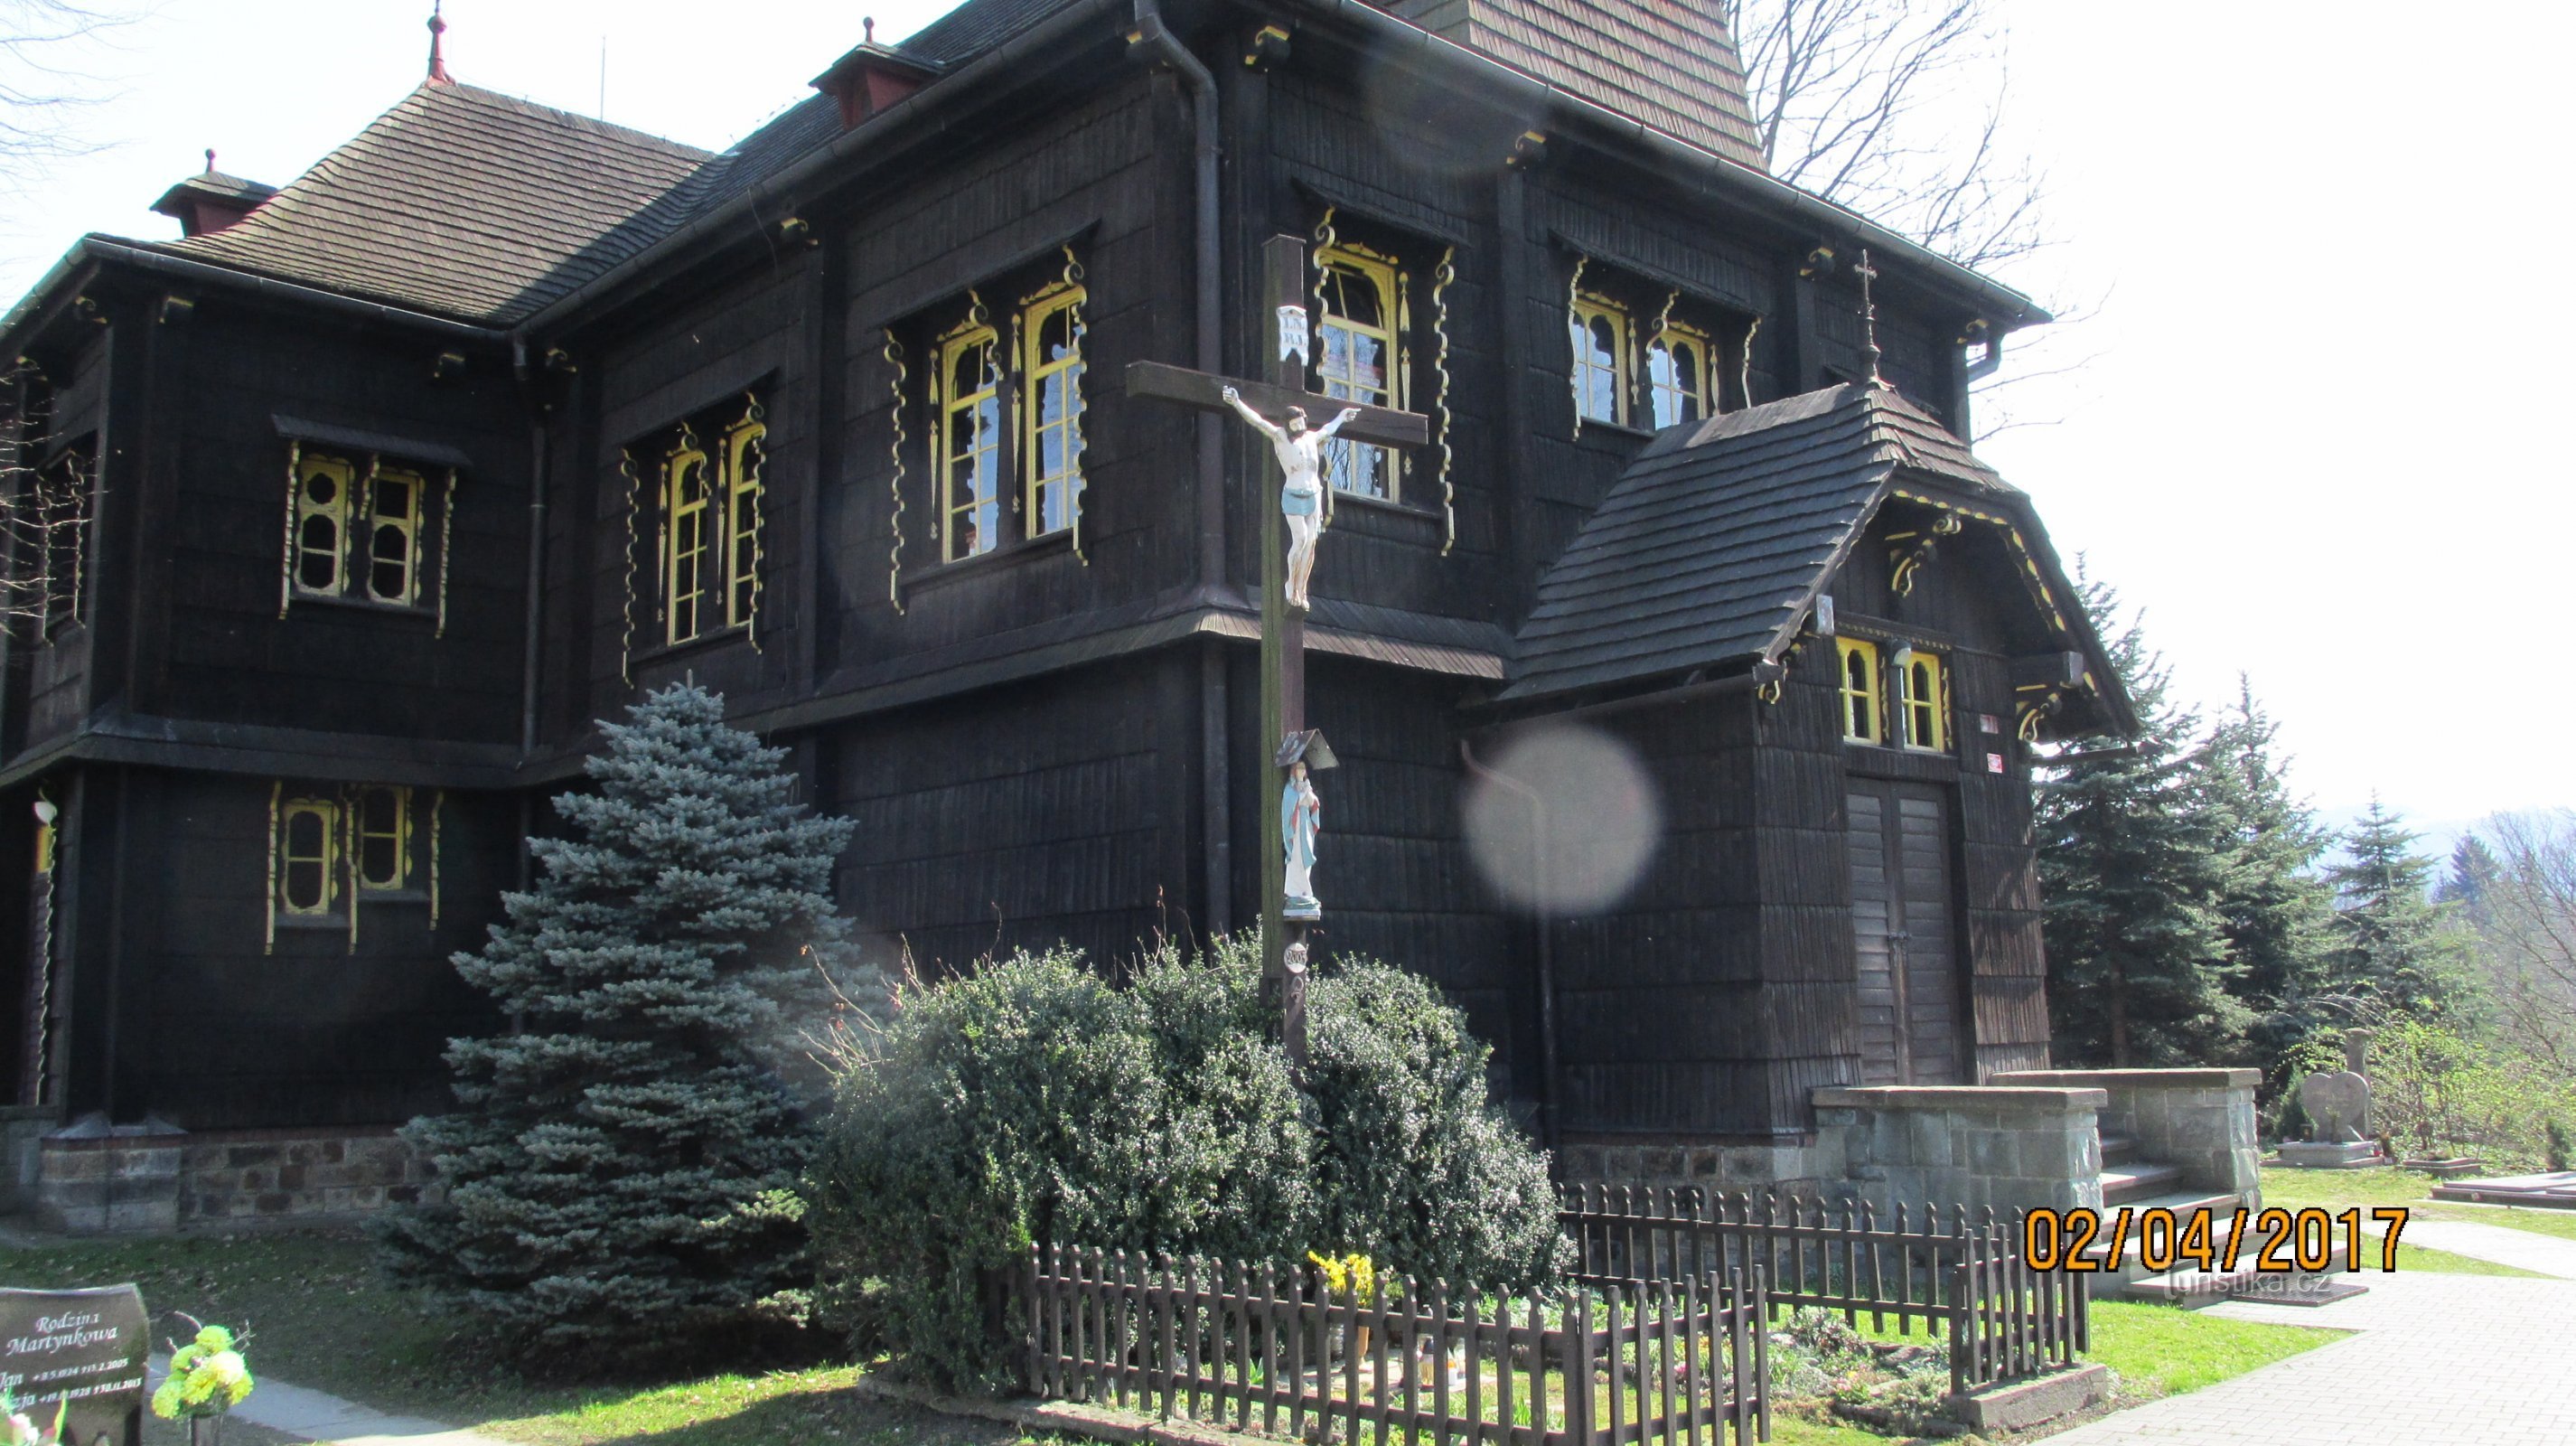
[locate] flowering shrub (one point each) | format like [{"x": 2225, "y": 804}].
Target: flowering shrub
[
  {"x": 207, "y": 1378},
  {"x": 1034, "y": 1101}
]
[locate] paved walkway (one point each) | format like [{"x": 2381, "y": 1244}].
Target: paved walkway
[
  {"x": 2438, "y": 1358},
  {"x": 2524, "y": 1249},
  {"x": 319, "y": 1417}
]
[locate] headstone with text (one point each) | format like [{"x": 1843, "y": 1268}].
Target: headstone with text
[{"x": 86, "y": 1348}]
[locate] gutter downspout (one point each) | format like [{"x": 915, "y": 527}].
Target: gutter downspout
[
  {"x": 536, "y": 557},
  {"x": 1156, "y": 40},
  {"x": 1540, "y": 848}
]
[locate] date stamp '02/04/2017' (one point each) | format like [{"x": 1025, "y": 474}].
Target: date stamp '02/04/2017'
[{"x": 2287, "y": 1242}]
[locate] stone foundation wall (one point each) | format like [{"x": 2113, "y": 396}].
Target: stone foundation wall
[
  {"x": 22, "y": 1129},
  {"x": 1791, "y": 1165},
  {"x": 268, "y": 1174},
  {"x": 2011, "y": 1149},
  {"x": 91, "y": 1178},
  {"x": 2199, "y": 1119}
]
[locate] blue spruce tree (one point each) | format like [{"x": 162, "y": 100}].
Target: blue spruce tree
[
  {"x": 619, "y": 1165},
  {"x": 2133, "y": 855}
]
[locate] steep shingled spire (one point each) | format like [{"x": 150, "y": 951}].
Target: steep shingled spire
[{"x": 438, "y": 45}]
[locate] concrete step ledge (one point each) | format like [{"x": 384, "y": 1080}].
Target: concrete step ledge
[
  {"x": 2134, "y": 1182},
  {"x": 1094, "y": 1422},
  {"x": 2019, "y": 1404}
]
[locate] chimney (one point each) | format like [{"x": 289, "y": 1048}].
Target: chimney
[
  {"x": 210, "y": 201},
  {"x": 872, "y": 77}
]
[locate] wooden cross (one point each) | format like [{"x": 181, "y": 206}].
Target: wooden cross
[{"x": 1283, "y": 629}]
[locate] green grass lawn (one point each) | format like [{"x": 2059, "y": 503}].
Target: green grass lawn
[
  {"x": 318, "y": 1316},
  {"x": 2163, "y": 1351},
  {"x": 2343, "y": 1189}
]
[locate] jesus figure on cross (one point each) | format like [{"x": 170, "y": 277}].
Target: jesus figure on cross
[{"x": 1301, "y": 494}]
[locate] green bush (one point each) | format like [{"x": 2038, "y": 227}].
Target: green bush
[{"x": 1032, "y": 1101}]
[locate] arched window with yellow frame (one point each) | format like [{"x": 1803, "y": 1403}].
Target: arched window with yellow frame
[
  {"x": 1598, "y": 328},
  {"x": 323, "y": 483},
  {"x": 381, "y": 837},
  {"x": 393, "y": 535},
  {"x": 686, "y": 560},
  {"x": 1923, "y": 702},
  {"x": 746, "y": 445},
  {"x": 1679, "y": 378},
  {"x": 308, "y": 857},
  {"x": 1051, "y": 408},
  {"x": 1359, "y": 357},
  {"x": 1860, "y": 690},
  {"x": 969, "y": 384}
]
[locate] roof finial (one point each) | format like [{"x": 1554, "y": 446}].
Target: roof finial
[
  {"x": 210, "y": 160},
  {"x": 1868, "y": 317},
  {"x": 437, "y": 46}
]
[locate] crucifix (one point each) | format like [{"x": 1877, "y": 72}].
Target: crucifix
[{"x": 1291, "y": 753}]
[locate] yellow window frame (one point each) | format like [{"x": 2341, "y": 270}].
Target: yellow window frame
[
  {"x": 362, "y": 831},
  {"x": 686, "y": 492},
  {"x": 326, "y": 813},
  {"x": 966, "y": 441},
  {"x": 742, "y": 489},
  {"x": 405, "y": 523},
  {"x": 1592, "y": 377},
  {"x": 1923, "y": 691},
  {"x": 1042, "y": 372},
  {"x": 1667, "y": 397},
  {"x": 1858, "y": 659},
  {"x": 342, "y": 473},
  {"x": 1337, "y": 267}
]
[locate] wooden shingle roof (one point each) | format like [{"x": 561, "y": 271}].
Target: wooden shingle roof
[
  {"x": 1711, "y": 547},
  {"x": 463, "y": 203},
  {"x": 1667, "y": 63}
]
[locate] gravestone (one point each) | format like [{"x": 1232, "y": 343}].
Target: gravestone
[
  {"x": 2337, "y": 1105},
  {"x": 85, "y": 1347}
]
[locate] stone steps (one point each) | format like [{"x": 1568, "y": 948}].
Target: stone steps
[
  {"x": 2128, "y": 1184},
  {"x": 2183, "y": 1204}
]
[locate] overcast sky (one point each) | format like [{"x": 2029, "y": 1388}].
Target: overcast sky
[{"x": 2315, "y": 439}]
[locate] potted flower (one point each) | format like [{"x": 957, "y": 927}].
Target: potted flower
[
  {"x": 1347, "y": 1278},
  {"x": 208, "y": 1377}
]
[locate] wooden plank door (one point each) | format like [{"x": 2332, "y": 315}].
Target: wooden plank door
[{"x": 1907, "y": 1011}]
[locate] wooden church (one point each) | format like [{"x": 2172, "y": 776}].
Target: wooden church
[{"x": 339, "y": 518}]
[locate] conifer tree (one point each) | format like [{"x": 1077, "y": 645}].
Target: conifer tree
[
  {"x": 2472, "y": 874},
  {"x": 618, "y": 1167},
  {"x": 2132, "y": 856},
  {"x": 2392, "y": 944},
  {"x": 2275, "y": 910}
]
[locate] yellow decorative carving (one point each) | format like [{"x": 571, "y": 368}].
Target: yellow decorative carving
[
  {"x": 268, "y": 937},
  {"x": 286, "y": 553},
  {"x": 894, "y": 553},
  {"x": 446, "y": 530},
  {"x": 626, "y": 619},
  {"x": 1442, "y": 276},
  {"x": 437, "y": 805}
]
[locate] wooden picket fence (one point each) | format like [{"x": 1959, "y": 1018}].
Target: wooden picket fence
[
  {"x": 2003, "y": 1320},
  {"x": 1255, "y": 1348}
]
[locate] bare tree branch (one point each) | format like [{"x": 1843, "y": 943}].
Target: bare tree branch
[
  {"x": 48, "y": 51},
  {"x": 46, "y": 489}
]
